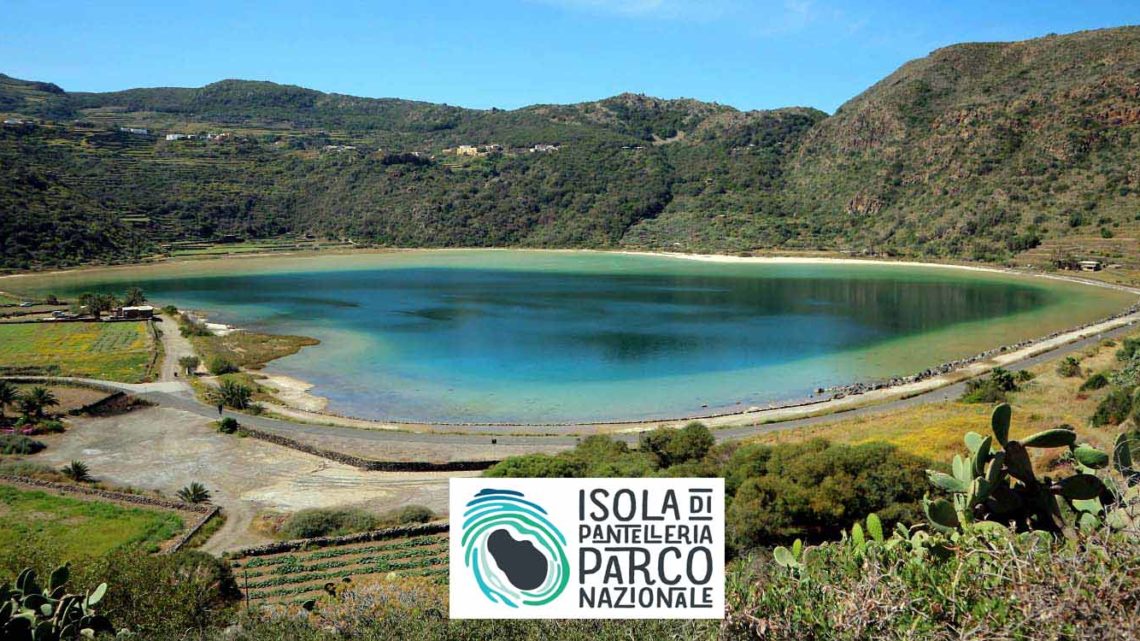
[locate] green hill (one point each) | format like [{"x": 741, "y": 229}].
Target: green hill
[{"x": 978, "y": 151}]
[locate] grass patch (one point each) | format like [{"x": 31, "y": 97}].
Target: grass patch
[
  {"x": 935, "y": 430},
  {"x": 249, "y": 349},
  {"x": 80, "y": 527},
  {"x": 206, "y": 532},
  {"x": 109, "y": 351}
]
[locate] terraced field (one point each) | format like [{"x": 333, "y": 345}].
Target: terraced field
[{"x": 298, "y": 576}]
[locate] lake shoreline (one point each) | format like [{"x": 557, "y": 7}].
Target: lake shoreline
[{"x": 296, "y": 401}]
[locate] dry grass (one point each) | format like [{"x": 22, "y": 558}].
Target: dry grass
[{"x": 935, "y": 430}]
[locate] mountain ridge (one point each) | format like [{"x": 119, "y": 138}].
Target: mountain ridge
[{"x": 980, "y": 151}]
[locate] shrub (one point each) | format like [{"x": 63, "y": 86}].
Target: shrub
[
  {"x": 77, "y": 471},
  {"x": 219, "y": 365},
  {"x": 1113, "y": 409},
  {"x": 228, "y": 425},
  {"x": 410, "y": 514},
  {"x": 816, "y": 488},
  {"x": 1020, "y": 587},
  {"x": 1128, "y": 349},
  {"x": 1094, "y": 382},
  {"x": 313, "y": 522},
  {"x": 1069, "y": 367},
  {"x": 672, "y": 447},
  {"x": 992, "y": 389},
  {"x": 49, "y": 427},
  {"x": 19, "y": 444}
]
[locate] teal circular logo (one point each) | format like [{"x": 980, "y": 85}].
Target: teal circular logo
[{"x": 517, "y": 556}]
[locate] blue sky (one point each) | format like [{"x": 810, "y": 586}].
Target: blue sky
[{"x": 751, "y": 54}]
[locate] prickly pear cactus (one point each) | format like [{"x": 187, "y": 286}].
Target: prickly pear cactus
[
  {"x": 995, "y": 486},
  {"x": 29, "y": 612}
]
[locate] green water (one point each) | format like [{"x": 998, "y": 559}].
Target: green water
[{"x": 518, "y": 336}]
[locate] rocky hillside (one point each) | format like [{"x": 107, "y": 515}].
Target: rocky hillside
[{"x": 978, "y": 151}]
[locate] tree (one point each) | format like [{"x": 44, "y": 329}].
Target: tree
[
  {"x": 134, "y": 296},
  {"x": 218, "y": 365},
  {"x": 8, "y": 396},
  {"x": 96, "y": 304},
  {"x": 189, "y": 364},
  {"x": 34, "y": 401},
  {"x": 77, "y": 471},
  {"x": 194, "y": 493}
]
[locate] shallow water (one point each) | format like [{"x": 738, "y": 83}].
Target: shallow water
[{"x": 516, "y": 336}]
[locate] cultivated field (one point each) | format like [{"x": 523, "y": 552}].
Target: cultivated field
[
  {"x": 298, "y": 576},
  {"x": 111, "y": 351},
  {"x": 78, "y": 527}
]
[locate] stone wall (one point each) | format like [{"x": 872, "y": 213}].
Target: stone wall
[{"x": 367, "y": 464}]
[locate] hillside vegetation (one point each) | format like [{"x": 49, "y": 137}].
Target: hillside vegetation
[{"x": 978, "y": 151}]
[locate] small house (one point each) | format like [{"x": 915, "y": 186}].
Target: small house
[
  {"x": 1090, "y": 265},
  {"x": 139, "y": 312}
]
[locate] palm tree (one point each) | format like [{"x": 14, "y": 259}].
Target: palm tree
[
  {"x": 233, "y": 395},
  {"x": 34, "y": 401},
  {"x": 77, "y": 471},
  {"x": 194, "y": 493},
  {"x": 8, "y": 396}
]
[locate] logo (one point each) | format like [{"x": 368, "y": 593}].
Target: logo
[
  {"x": 595, "y": 548},
  {"x": 517, "y": 556}
]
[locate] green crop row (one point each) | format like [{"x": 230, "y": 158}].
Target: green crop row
[
  {"x": 440, "y": 574},
  {"x": 333, "y": 552},
  {"x": 324, "y": 576},
  {"x": 395, "y": 555}
]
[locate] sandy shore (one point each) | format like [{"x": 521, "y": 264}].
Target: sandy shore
[{"x": 294, "y": 393}]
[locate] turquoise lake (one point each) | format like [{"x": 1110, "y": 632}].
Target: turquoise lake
[{"x": 537, "y": 337}]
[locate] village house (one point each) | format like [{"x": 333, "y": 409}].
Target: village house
[
  {"x": 1090, "y": 265},
  {"x": 135, "y": 130},
  {"x": 138, "y": 312},
  {"x": 543, "y": 148},
  {"x": 466, "y": 150}
]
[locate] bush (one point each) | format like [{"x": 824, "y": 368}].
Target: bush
[
  {"x": 19, "y": 444},
  {"x": 77, "y": 471},
  {"x": 814, "y": 489},
  {"x": 185, "y": 595},
  {"x": 1094, "y": 382},
  {"x": 313, "y": 522},
  {"x": 219, "y": 365},
  {"x": 228, "y": 425},
  {"x": 1069, "y": 367},
  {"x": 1128, "y": 349},
  {"x": 51, "y": 426},
  {"x": 672, "y": 447},
  {"x": 410, "y": 514},
  {"x": 594, "y": 456},
  {"x": 990, "y": 390},
  {"x": 1113, "y": 409},
  {"x": 1018, "y": 588}
]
